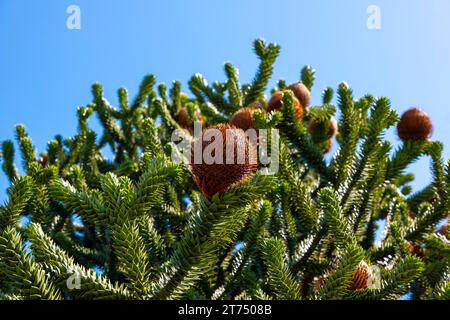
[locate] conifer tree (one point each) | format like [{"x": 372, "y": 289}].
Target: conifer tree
[{"x": 141, "y": 225}]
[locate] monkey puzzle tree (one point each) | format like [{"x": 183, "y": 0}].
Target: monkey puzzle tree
[{"x": 143, "y": 226}]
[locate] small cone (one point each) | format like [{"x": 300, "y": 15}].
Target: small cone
[
  {"x": 318, "y": 282},
  {"x": 238, "y": 161},
  {"x": 322, "y": 131},
  {"x": 414, "y": 249},
  {"x": 414, "y": 124},
  {"x": 184, "y": 121},
  {"x": 443, "y": 230},
  {"x": 333, "y": 127},
  {"x": 43, "y": 160},
  {"x": 275, "y": 104},
  {"x": 362, "y": 277},
  {"x": 409, "y": 246},
  {"x": 301, "y": 92},
  {"x": 243, "y": 118},
  {"x": 183, "y": 118}
]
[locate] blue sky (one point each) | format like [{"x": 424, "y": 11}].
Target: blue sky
[{"x": 46, "y": 70}]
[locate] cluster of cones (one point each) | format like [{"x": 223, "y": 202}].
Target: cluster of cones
[
  {"x": 321, "y": 133},
  {"x": 363, "y": 276},
  {"x": 214, "y": 178}
]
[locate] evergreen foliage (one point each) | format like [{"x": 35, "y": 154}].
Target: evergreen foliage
[{"x": 136, "y": 227}]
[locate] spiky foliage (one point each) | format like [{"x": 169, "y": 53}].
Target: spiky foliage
[{"x": 135, "y": 226}]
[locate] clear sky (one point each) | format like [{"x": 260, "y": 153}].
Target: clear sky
[{"x": 46, "y": 70}]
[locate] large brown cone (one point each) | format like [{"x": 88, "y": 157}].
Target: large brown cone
[
  {"x": 301, "y": 92},
  {"x": 243, "y": 118},
  {"x": 362, "y": 276},
  {"x": 414, "y": 124},
  {"x": 275, "y": 104},
  {"x": 217, "y": 177}
]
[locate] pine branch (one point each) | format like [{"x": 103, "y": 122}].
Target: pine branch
[
  {"x": 405, "y": 155},
  {"x": 64, "y": 269},
  {"x": 18, "y": 196},
  {"x": 336, "y": 286},
  {"x": 26, "y": 147},
  {"x": 214, "y": 228},
  {"x": 21, "y": 270},
  {"x": 307, "y": 76},
  {"x": 243, "y": 259},
  {"x": 298, "y": 137},
  {"x": 106, "y": 115},
  {"x": 8, "y": 160},
  {"x": 349, "y": 129},
  {"x": 144, "y": 90},
  {"x": 280, "y": 279},
  {"x": 132, "y": 258},
  {"x": 234, "y": 92},
  {"x": 199, "y": 87},
  {"x": 337, "y": 225},
  {"x": 327, "y": 95},
  {"x": 212, "y": 114},
  {"x": 89, "y": 206},
  {"x": 267, "y": 54}
]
